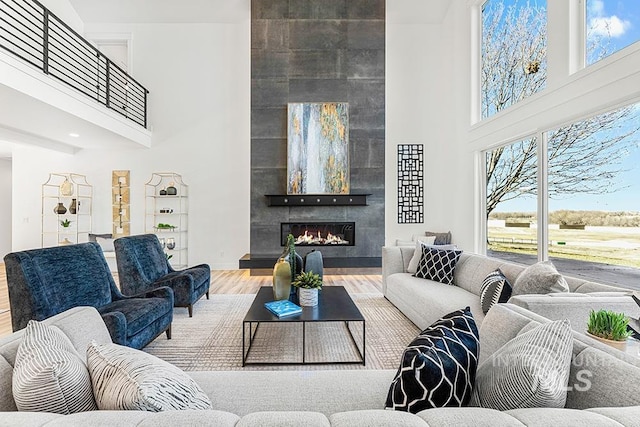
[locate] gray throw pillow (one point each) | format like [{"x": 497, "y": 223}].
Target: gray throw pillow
[
  {"x": 417, "y": 253},
  {"x": 530, "y": 371},
  {"x": 49, "y": 374},
  {"x": 539, "y": 278},
  {"x": 441, "y": 238}
]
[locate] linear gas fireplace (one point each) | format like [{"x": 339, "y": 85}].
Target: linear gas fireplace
[{"x": 319, "y": 233}]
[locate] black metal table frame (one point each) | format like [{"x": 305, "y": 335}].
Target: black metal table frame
[
  {"x": 252, "y": 334},
  {"x": 334, "y": 305}
]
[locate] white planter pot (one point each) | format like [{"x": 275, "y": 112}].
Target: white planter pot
[{"x": 308, "y": 297}]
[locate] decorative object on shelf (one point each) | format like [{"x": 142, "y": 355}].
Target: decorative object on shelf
[
  {"x": 67, "y": 193},
  {"x": 66, "y": 241},
  {"x": 163, "y": 243},
  {"x": 281, "y": 280},
  {"x": 410, "y": 184},
  {"x": 171, "y": 243},
  {"x": 60, "y": 209},
  {"x": 308, "y": 284},
  {"x": 66, "y": 223},
  {"x": 609, "y": 327},
  {"x": 163, "y": 226},
  {"x": 167, "y": 213},
  {"x": 120, "y": 204},
  {"x": 66, "y": 188},
  {"x": 318, "y": 131}
]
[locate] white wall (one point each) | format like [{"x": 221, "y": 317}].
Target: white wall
[
  {"x": 5, "y": 210},
  {"x": 415, "y": 89},
  {"x": 63, "y": 10},
  {"x": 199, "y": 81}
]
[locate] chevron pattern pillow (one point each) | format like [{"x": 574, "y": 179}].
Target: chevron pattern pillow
[
  {"x": 438, "y": 368},
  {"x": 124, "y": 378},
  {"x": 49, "y": 375},
  {"x": 437, "y": 264},
  {"x": 533, "y": 367},
  {"x": 495, "y": 289}
]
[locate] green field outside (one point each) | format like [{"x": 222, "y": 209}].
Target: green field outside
[{"x": 609, "y": 245}]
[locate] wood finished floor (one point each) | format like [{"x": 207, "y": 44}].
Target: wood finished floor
[{"x": 236, "y": 282}]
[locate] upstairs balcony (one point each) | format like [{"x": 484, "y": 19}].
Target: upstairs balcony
[{"x": 46, "y": 67}]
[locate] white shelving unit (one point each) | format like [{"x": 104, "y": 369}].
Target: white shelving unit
[
  {"x": 62, "y": 189},
  {"x": 167, "y": 214}
]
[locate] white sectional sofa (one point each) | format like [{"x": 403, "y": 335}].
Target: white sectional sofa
[
  {"x": 425, "y": 301},
  {"x": 348, "y": 398}
]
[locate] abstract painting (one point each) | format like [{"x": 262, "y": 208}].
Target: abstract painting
[
  {"x": 410, "y": 184},
  {"x": 318, "y": 148}
]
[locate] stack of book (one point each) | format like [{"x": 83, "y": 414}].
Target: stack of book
[{"x": 283, "y": 308}]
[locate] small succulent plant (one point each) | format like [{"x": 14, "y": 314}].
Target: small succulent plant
[
  {"x": 65, "y": 223},
  {"x": 307, "y": 280}
]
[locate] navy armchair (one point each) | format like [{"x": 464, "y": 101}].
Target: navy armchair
[
  {"x": 48, "y": 281},
  {"x": 143, "y": 265}
]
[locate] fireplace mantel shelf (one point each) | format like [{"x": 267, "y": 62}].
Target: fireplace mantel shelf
[{"x": 317, "y": 199}]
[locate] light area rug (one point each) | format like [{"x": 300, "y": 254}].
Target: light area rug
[{"x": 212, "y": 338}]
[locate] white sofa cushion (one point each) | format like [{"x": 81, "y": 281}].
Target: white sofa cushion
[
  {"x": 125, "y": 378},
  {"x": 533, "y": 366},
  {"x": 49, "y": 374}
]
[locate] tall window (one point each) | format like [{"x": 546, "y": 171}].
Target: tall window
[
  {"x": 511, "y": 201},
  {"x": 610, "y": 26},
  {"x": 514, "y": 46},
  {"x": 594, "y": 191}
]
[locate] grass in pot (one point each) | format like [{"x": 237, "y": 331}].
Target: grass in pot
[{"x": 609, "y": 327}]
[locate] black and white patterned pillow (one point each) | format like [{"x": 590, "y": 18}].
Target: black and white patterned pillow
[
  {"x": 534, "y": 368},
  {"x": 495, "y": 289},
  {"x": 437, "y": 264},
  {"x": 438, "y": 368},
  {"x": 124, "y": 378},
  {"x": 49, "y": 374}
]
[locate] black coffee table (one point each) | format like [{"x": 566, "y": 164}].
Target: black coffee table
[{"x": 334, "y": 305}]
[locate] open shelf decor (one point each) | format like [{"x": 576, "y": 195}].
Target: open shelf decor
[
  {"x": 66, "y": 209},
  {"x": 166, "y": 214}
]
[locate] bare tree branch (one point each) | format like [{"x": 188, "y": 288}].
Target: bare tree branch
[{"x": 584, "y": 157}]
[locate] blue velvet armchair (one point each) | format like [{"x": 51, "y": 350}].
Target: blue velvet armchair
[
  {"x": 48, "y": 281},
  {"x": 142, "y": 265}
]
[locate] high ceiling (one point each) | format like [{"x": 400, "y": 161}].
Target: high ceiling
[{"x": 202, "y": 11}]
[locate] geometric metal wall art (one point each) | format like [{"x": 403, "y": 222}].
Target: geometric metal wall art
[{"x": 410, "y": 184}]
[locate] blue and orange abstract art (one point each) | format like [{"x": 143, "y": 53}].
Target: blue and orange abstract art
[{"x": 318, "y": 148}]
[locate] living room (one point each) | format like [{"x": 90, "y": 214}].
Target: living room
[{"x": 217, "y": 118}]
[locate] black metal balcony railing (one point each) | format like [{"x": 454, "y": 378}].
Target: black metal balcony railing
[{"x": 30, "y": 31}]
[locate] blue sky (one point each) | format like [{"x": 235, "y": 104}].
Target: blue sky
[{"x": 619, "y": 19}]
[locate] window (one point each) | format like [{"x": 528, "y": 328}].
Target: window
[
  {"x": 513, "y": 52},
  {"x": 610, "y": 26},
  {"x": 594, "y": 191},
  {"x": 511, "y": 201}
]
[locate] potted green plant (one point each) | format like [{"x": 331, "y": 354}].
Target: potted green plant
[
  {"x": 609, "y": 327},
  {"x": 308, "y": 284},
  {"x": 65, "y": 223}
]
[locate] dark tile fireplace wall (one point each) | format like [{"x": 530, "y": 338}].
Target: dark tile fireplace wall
[{"x": 317, "y": 51}]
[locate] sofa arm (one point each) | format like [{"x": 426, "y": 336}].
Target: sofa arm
[
  {"x": 576, "y": 307},
  {"x": 392, "y": 262},
  {"x": 116, "y": 323},
  {"x": 163, "y": 292}
]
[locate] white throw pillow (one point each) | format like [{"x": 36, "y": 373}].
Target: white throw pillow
[
  {"x": 128, "y": 379},
  {"x": 529, "y": 371},
  {"x": 49, "y": 375},
  {"x": 105, "y": 244},
  {"x": 417, "y": 253}
]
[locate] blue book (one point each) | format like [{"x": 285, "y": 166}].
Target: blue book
[{"x": 283, "y": 308}]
